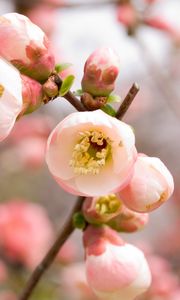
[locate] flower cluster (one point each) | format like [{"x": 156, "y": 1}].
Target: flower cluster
[
  {"x": 90, "y": 154},
  {"x": 93, "y": 154}
]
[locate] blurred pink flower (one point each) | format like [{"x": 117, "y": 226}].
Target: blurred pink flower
[
  {"x": 151, "y": 185},
  {"x": 100, "y": 72},
  {"x": 67, "y": 253},
  {"x": 91, "y": 153},
  {"x": 10, "y": 97},
  {"x": 115, "y": 270},
  {"x": 74, "y": 282},
  {"x": 127, "y": 15},
  {"x": 7, "y": 295},
  {"x": 25, "y": 232},
  {"x": 28, "y": 141},
  {"x": 26, "y": 46}
]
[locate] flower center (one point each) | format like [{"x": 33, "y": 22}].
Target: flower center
[
  {"x": 108, "y": 204},
  {"x": 90, "y": 152},
  {"x": 1, "y": 90}
]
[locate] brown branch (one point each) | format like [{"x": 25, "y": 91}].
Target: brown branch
[
  {"x": 70, "y": 97},
  {"x": 22, "y": 5},
  {"x": 127, "y": 101},
  {"x": 66, "y": 231}
]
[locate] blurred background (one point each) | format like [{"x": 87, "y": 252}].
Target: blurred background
[{"x": 146, "y": 35}]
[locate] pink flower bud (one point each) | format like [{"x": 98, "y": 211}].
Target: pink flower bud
[
  {"x": 25, "y": 45},
  {"x": 115, "y": 270},
  {"x": 91, "y": 153},
  {"x": 31, "y": 93},
  {"x": 100, "y": 210},
  {"x": 128, "y": 220},
  {"x": 151, "y": 185},
  {"x": 100, "y": 72},
  {"x": 10, "y": 97}
]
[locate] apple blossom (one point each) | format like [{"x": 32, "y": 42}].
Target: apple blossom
[
  {"x": 20, "y": 241},
  {"x": 100, "y": 72},
  {"x": 91, "y": 153},
  {"x": 101, "y": 209},
  {"x": 151, "y": 185},
  {"x": 115, "y": 270},
  {"x": 11, "y": 102},
  {"x": 128, "y": 220},
  {"x": 26, "y": 46}
]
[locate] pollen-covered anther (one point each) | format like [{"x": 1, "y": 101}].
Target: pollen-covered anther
[
  {"x": 1, "y": 90},
  {"x": 108, "y": 204},
  {"x": 90, "y": 152}
]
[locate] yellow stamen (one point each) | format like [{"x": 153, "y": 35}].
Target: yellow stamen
[
  {"x": 1, "y": 90},
  {"x": 90, "y": 153},
  {"x": 108, "y": 204}
]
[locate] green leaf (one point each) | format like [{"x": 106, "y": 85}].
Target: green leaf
[
  {"x": 78, "y": 92},
  {"x": 108, "y": 109},
  {"x": 79, "y": 221},
  {"x": 66, "y": 85},
  {"x": 114, "y": 98},
  {"x": 61, "y": 67}
]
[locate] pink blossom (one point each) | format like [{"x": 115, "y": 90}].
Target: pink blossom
[
  {"x": 10, "y": 97},
  {"x": 91, "y": 153},
  {"x": 74, "y": 282},
  {"x": 100, "y": 72},
  {"x": 25, "y": 232},
  {"x": 151, "y": 185},
  {"x": 115, "y": 270},
  {"x": 25, "y": 46},
  {"x": 128, "y": 220}
]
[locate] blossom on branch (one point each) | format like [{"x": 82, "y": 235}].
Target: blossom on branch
[
  {"x": 100, "y": 72},
  {"x": 91, "y": 153}
]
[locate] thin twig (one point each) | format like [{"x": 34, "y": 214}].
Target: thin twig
[
  {"x": 68, "y": 228},
  {"x": 127, "y": 101},
  {"x": 70, "y": 97}
]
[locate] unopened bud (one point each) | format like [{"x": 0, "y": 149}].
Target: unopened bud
[
  {"x": 100, "y": 72},
  {"x": 99, "y": 210}
]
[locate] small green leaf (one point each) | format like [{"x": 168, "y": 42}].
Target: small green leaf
[
  {"x": 61, "y": 67},
  {"x": 108, "y": 109},
  {"x": 66, "y": 85},
  {"x": 78, "y": 93},
  {"x": 79, "y": 221},
  {"x": 114, "y": 98}
]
